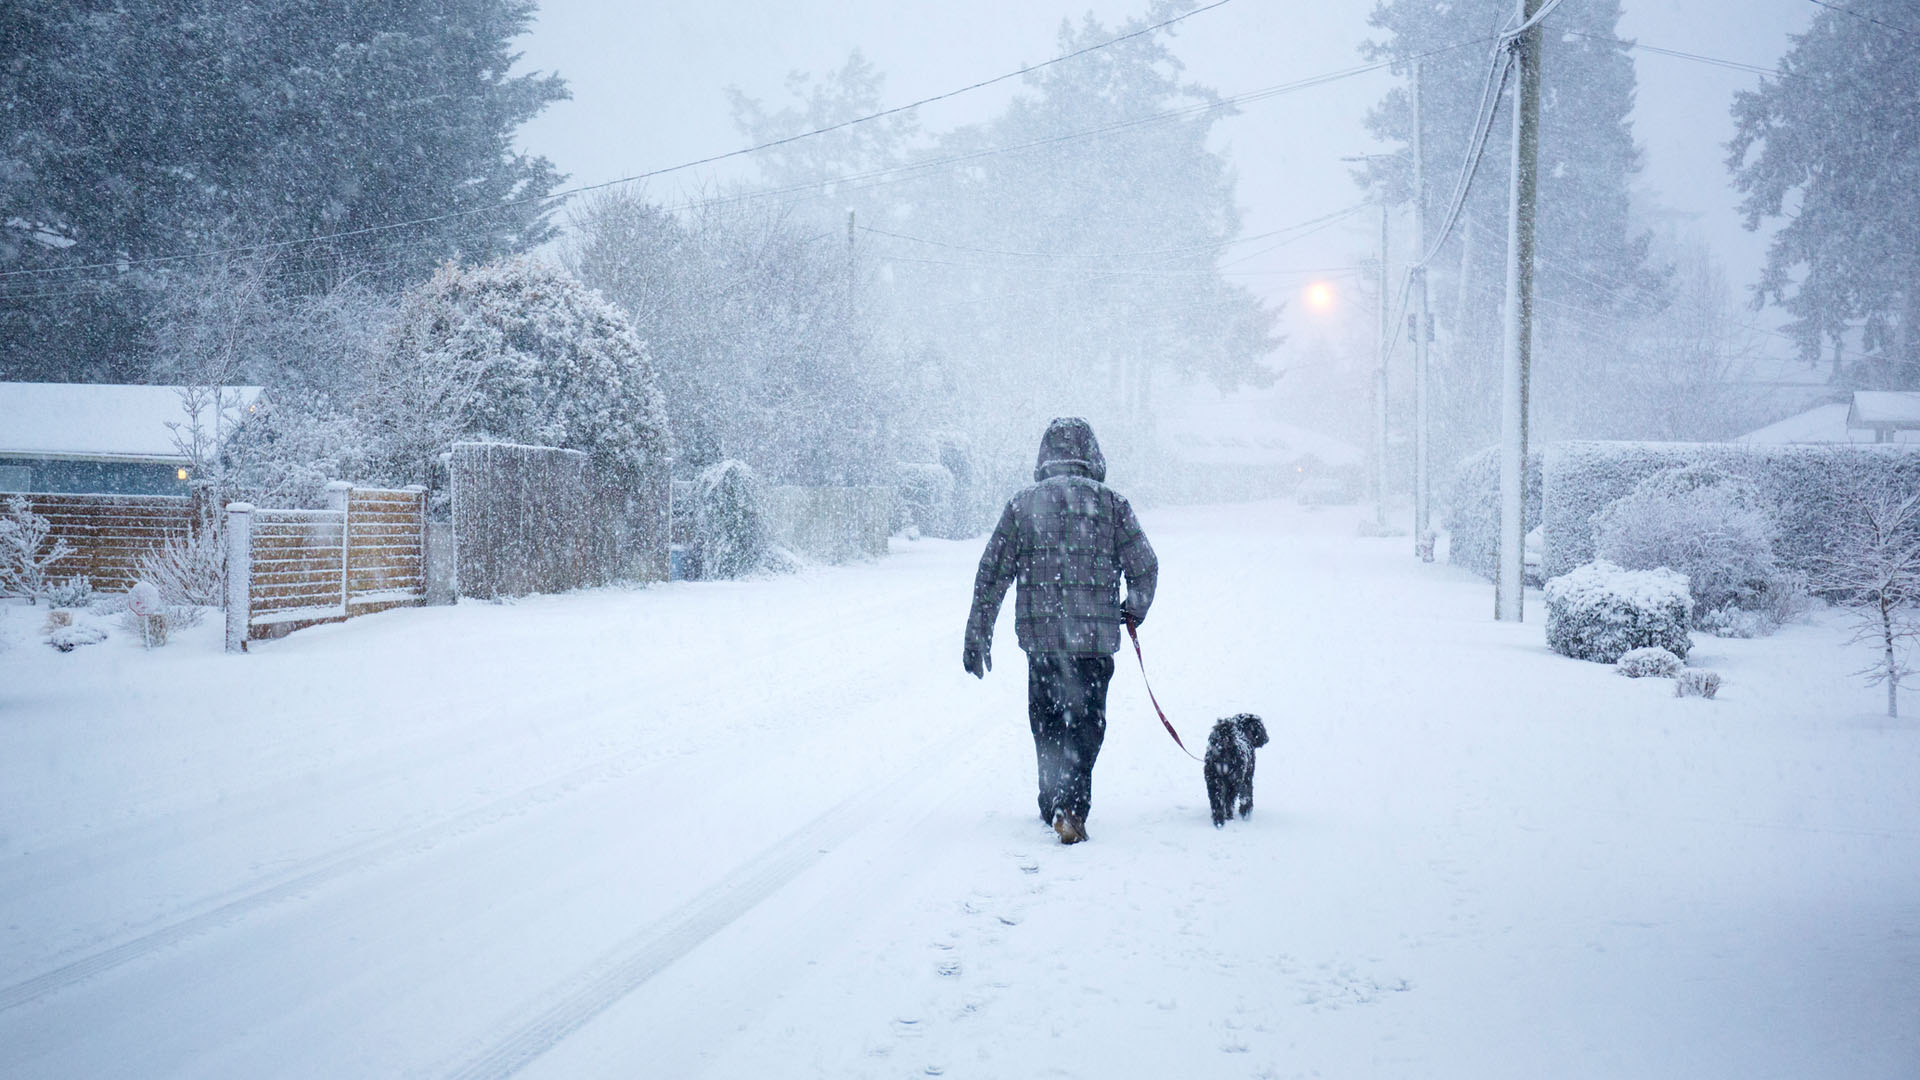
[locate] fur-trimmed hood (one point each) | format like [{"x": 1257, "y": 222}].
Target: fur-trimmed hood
[{"x": 1069, "y": 447}]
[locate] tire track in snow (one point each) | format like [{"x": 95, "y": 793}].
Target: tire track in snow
[
  {"x": 602, "y": 984},
  {"x": 349, "y": 859}
]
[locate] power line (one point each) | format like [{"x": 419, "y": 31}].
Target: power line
[
  {"x": 1192, "y": 249},
  {"x": 553, "y": 196},
  {"x": 1698, "y": 58},
  {"x": 1862, "y": 15}
]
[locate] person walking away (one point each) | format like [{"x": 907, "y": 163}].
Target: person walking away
[{"x": 1067, "y": 539}]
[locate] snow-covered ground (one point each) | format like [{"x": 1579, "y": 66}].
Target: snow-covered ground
[{"x": 770, "y": 829}]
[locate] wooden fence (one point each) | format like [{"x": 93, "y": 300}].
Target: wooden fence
[
  {"x": 291, "y": 568},
  {"x": 111, "y": 534}
]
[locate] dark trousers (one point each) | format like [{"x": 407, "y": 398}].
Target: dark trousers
[{"x": 1067, "y": 710}]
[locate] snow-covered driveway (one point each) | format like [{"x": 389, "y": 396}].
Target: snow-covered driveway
[{"x": 770, "y": 829}]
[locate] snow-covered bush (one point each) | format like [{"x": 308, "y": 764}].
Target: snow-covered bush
[
  {"x": 1696, "y": 682},
  {"x": 27, "y": 554},
  {"x": 1652, "y": 662},
  {"x": 285, "y": 452},
  {"x": 1705, "y": 523},
  {"x": 1472, "y": 510},
  {"x": 189, "y": 570},
  {"x": 75, "y": 592},
  {"x": 922, "y": 499},
  {"x": 1601, "y": 612},
  {"x": 729, "y": 523},
  {"x": 516, "y": 351},
  {"x": 69, "y": 637}
]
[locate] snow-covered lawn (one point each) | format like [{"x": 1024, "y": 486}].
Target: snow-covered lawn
[{"x": 770, "y": 829}]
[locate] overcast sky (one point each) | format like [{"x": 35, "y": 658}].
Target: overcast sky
[{"x": 648, "y": 91}]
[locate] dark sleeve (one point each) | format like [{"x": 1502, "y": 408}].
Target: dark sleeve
[
  {"x": 1137, "y": 561},
  {"x": 999, "y": 565}
]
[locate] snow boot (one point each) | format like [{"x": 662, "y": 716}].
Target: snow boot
[{"x": 1068, "y": 824}]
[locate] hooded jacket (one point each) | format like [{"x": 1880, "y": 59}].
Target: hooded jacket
[{"x": 1067, "y": 539}]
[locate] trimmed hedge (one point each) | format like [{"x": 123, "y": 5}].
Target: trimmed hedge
[
  {"x": 1808, "y": 487},
  {"x": 1473, "y": 510}
]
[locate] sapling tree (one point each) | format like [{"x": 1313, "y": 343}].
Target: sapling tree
[
  {"x": 26, "y": 556},
  {"x": 1874, "y": 574}
]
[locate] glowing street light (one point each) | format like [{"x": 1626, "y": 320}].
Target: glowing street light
[{"x": 1320, "y": 296}]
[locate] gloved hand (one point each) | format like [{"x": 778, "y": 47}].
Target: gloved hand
[
  {"x": 1127, "y": 616},
  {"x": 976, "y": 656}
]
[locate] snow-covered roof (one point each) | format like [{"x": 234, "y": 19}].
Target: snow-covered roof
[
  {"x": 109, "y": 421},
  {"x": 1205, "y": 427},
  {"x": 1820, "y": 424},
  {"x": 1895, "y": 409}
]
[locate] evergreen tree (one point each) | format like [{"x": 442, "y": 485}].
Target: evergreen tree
[
  {"x": 140, "y": 130},
  {"x": 1833, "y": 145},
  {"x": 1592, "y": 265}
]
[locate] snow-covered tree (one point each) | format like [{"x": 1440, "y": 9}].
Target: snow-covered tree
[
  {"x": 138, "y": 129},
  {"x": 1832, "y": 144},
  {"x": 517, "y": 351},
  {"x": 1060, "y": 256},
  {"x": 1593, "y": 268},
  {"x": 763, "y": 355},
  {"x": 1875, "y": 576},
  {"x": 27, "y": 554}
]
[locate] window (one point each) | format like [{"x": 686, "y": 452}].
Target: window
[{"x": 16, "y": 478}]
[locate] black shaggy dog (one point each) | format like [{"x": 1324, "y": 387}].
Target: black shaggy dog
[{"x": 1230, "y": 764}]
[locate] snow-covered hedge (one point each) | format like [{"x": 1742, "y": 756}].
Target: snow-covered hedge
[
  {"x": 922, "y": 498},
  {"x": 1472, "y": 502},
  {"x": 729, "y": 522},
  {"x": 1704, "y": 522},
  {"x": 1600, "y": 612},
  {"x": 1807, "y": 488}
]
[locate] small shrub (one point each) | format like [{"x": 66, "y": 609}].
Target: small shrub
[
  {"x": 729, "y": 523},
  {"x": 1696, "y": 682},
  {"x": 1648, "y": 663},
  {"x": 190, "y": 572},
  {"x": 1601, "y": 612},
  {"x": 1706, "y": 524},
  {"x": 75, "y": 592},
  {"x": 27, "y": 552},
  {"x": 68, "y": 638}
]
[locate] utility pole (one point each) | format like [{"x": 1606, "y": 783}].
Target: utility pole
[
  {"x": 1421, "y": 333},
  {"x": 1509, "y": 595},
  {"x": 1380, "y": 385}
]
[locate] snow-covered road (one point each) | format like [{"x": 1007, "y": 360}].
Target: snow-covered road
[{"x": 770, "y": 829}]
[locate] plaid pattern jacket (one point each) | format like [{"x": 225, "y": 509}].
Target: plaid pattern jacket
[{"x": 1067, "y": 540}]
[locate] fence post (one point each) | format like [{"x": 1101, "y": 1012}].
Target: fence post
[
  {"x": 421, "y": 490},
  {"x": 239, "y": 575},
  {"x": 339, "y": 494}
]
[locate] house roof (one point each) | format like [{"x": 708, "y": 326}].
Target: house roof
[
  {"x": 1890, "y": 409},
  {"x": 104, "y": 421},
  {"x": 1820, "y": 424}
]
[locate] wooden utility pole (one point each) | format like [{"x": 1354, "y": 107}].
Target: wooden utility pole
[
  {"x": 1510, "y": 587},
  {"x": 1421, "y": 331},
  {"x": 1380, "y": 383}
]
